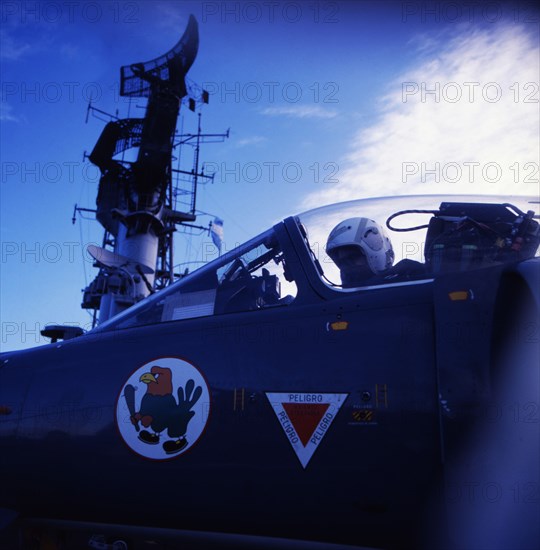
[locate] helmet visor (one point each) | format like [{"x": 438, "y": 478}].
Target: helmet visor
[{"x": 349, "y": 256}]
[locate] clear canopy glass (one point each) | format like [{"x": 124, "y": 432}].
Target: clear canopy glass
[
  {"x": 429, "y": 235},
  {"x": 407, "y": 245}
]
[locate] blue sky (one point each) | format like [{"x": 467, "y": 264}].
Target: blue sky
[{"x": 326, "y": 101}]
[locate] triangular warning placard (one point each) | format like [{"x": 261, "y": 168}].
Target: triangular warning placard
[{"x": 305, "y": 418}]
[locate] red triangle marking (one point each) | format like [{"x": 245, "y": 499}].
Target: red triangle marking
[{"x": 305, "y": 417}]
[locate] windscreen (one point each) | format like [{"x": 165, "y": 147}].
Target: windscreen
[
  {"x": 252, "y": 277},
  {"x": 427, "y": 235}
]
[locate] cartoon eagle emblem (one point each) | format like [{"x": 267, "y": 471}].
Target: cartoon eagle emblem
[{"x": 165, "y": 413}]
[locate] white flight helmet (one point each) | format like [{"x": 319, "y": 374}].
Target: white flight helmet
[{"x": 364, "y": 236}]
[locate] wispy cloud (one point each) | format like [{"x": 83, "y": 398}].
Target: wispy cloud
[
  {"x": 6, "y": 113},
  {"x": 300, "y": 111},
  {"x": 463, "y": 120},
  {"x": 69, "y": 51},
  {"x": 172, "y": 17},
  {"x": 251, "y": 140},
  {"x": 11, "y": 49}
]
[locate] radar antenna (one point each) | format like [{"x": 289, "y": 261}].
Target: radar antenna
[{"x": 140, "y": 202}]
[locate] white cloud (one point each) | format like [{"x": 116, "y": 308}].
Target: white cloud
[
  {"x": 252, "y": 140},
  {"x": 300, "y": 111},
  {"x": 478, "y": 131},
  {"x": 172, "y": 18},
  {"x": 10, "y": 48},
  {"x": 6, "y": 113},
  {"x": 69, "y": 51}
]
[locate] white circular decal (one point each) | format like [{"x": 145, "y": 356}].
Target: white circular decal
[{"x": 163, "y": 408}]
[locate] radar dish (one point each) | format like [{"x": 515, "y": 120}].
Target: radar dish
[
  {"x": 169, "y": 70},
  {"x": 110, "y": 259}
]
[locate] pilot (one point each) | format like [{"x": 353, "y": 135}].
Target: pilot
[{"x": 361, "y": 249}]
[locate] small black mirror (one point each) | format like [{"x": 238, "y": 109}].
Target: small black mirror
[{"x": 61, "y": 332}]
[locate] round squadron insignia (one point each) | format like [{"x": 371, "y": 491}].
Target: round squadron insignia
[{"x": 163, "y": 408}]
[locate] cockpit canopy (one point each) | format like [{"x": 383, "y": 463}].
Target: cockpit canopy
[
  {"x": 433, "y": 234},
  {"x": 430, "y": 235},
  {"x": 253, "y": 276}
]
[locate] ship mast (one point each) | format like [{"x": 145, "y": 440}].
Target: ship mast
[{"x": 136, "y": 199}]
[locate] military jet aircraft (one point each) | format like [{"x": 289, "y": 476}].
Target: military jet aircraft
[{"x": 269, "y": 398}]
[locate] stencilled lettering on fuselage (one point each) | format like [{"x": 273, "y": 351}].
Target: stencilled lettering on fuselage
[{"x": 306, "y": 418}]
